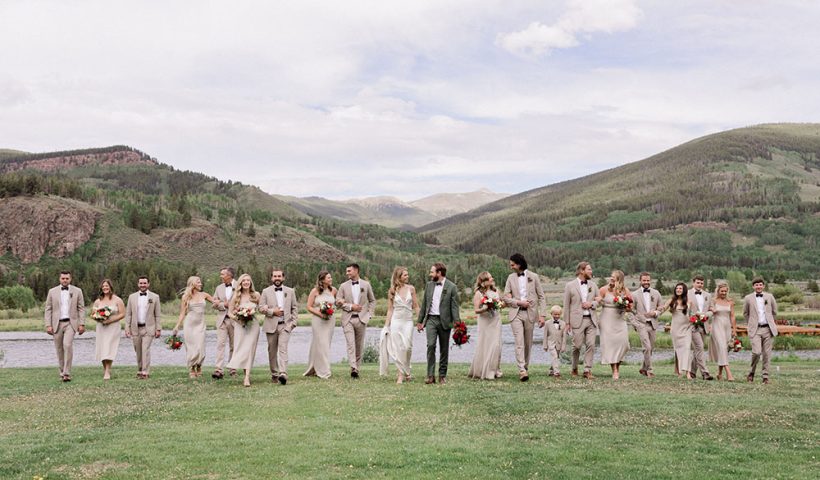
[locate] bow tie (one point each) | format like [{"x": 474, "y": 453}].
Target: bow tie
[
  {"x": 142, "y": 294},
  {"x": 438, "y": 284},
  {"x": 645, "y": 290},
  {"x": 556, "y": 322},
  {"x": 698, "y": 292},
  {"x": 277, "y": 289},
  {"x": 354, "y": 283},
  {"x": 229, "y": 285},
  {"x": 758, "y": 294},
  {"x": 583, "y": 282},
  {"x": 521, "y": 274},
  {"x": 63, "y": 288}
]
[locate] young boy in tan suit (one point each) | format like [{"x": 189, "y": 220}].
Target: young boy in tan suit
[{"x": 555, "y": 339}]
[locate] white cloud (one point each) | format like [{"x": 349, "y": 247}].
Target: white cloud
[{"x": 581, "y": 16}]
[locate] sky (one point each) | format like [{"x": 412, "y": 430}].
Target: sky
[{"x": 364, "y": 98}]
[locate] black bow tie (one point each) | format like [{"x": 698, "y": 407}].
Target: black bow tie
[
  {"x": 142, "y": 294},
  {"x": 583, "y": 282},
  {"x": 645, "y": 290},
  {"x": 698, "y": 292},
  {"x": 354, "y": 283},
  {"x": 521, "y": 274},
  {"x": 556, "y": 322},
  {"x": 229, "y": 285},
  {"x": 277, "y": 289},
  {"x": 758, "y": 294},
  {"x": 438, "y": 284},
  {"x": 63, "y": 288}
]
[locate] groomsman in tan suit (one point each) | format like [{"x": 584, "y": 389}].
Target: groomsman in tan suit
[
  {"x": 699, "y": 300},
  {"x": 143, "y": 323},
  {"x": 65, "y": 315},
  {"x": 278, "y": 304},
  {"x": 524, "y": 295},
  {"x": 356, "y": 299},
  {"x": 224, "y": 325},
  {"x": 579, "y": 307},
  {"x": 760, "y": 310},
  {"x": 645, "y": 321}
]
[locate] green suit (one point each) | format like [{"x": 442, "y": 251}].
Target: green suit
[{"x": 439, "y": 326}]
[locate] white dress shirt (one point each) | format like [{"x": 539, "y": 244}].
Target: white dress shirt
[
  {"x": 584, "y": 292},
  {"x": 228, "y": 292},
  {"x": 647, "y": 301},
  {"x": 65, "y": 302},
  {"x": 699, "y": 299},
  {"x": 355, "y": 290},
  {"x": 522, "y": 285},
  {"x": 280, "y": 298},
  {"x": 142, "y": 309},
  {"x": 761, "y": 310},
  {"x": 436, "y": 302}
]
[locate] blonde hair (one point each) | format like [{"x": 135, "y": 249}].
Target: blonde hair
[
  {"x": 556, "y": 309},
  {"x": 188, "y": 291},
  {"x": 237, "y": 295},
  {"x": 479, "y": 282},
  {"x": 721, "y": 284},
  {"x": 395, "y": 282},
  {"x": 618, "y": 276}
]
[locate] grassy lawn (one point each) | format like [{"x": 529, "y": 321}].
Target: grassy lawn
[{"x": 172, "y": 427}]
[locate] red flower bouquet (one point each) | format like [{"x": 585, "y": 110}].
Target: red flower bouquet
[
  {"x": 101, "y": 314},
  {"x": 460, "y": 335},
  {"x": 327, "y": 308},
  {"x": 174, "y": 342},
  {"x": 698, "y": 320},
  {"x": 624, "y": 302}
]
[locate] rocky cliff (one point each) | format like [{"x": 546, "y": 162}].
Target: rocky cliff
[
  {"x": 34, "y": 226},
  {"x": 66, "y": 160}
]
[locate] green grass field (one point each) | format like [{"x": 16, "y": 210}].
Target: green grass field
[{"x": 172, "y": 427}]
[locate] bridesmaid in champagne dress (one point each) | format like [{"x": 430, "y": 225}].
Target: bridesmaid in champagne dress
[
  {"x": 321, "y": 325},
  {"x": 681, "y": 331},
  {"x": 487, "y": 360},
  {"x": 192, "y": 321},
  {"x": 402, "y": 307},
  {"x": 612, "y": 324},
  {"x": 108, "y": 331},
  {"x": 724, "y": 328},
  {"x": 246, "y": 333}
]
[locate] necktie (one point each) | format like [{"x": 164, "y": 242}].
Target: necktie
[
  {"x": 758, "y": 294},
  {"x": 645, "y": 290},
  {"x": 556, "y": 322},
  {"x": 438, "y": 284},
  {"x": 583, "y": 282},
  {"x": 354, "y": 283},
  {"x": 63, "y": 288},
  {"x": 229, "y": 285},
  {"x": 521, "y": 274},
  {"x": 698, "y": 292},
  {"x": 277, "y": 289},
  {"x": 142, "y": 294}
]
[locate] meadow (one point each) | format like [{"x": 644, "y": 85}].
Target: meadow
[{"x": 173, "y": 427}]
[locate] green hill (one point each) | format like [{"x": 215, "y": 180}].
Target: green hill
[{"x": 745, "y": 199}]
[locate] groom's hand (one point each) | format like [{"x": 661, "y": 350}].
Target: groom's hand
[{"x": 420, "y": 327}]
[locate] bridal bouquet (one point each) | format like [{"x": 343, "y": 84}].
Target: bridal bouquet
[
  {"x": 735, "y": 345},
  {"x": 326, "y": 308},
  {"x": 491, "y": 303},
  {"x": 698, "y": 320},
  {"x": 174, "y": 342},
  {"x": 245, "y": 314},
  {"x": 460, "y": 335},
  {"x": 101, "y": 314},
  {"x": 624, "y": 302}
]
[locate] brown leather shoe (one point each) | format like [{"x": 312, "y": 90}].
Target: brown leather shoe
[
  {"x": 765, "y": 381},
  {"x": 442, "y": 380},
  {"x": 429, "y": 380},
  {"x": 523, "y": 376},
  {"x": 575, "y": 372},
  {"x": 588, "y": 375},
  {"x": 750, "y": 378},
  {"x": 643, "y": 372},
  {"x": 650, "y": 374}
]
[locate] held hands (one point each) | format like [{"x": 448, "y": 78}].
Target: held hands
[
  {"x": 420, "y": 327},
  {"x": 541, "y": 322},
  {"x": 49, "y": 330},
  {"x": 81, "y": 330},
  {"x": 127, "y": 332},
  {"x": 524, "y": 303},
  {"x": 355, "y": 307},
  {"x": 157, "y": 333}
]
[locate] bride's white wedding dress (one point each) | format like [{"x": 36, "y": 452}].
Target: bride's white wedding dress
[{"x": 400, "y": 338}]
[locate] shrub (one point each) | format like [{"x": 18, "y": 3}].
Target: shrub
[{"x": 17, "y": 297}]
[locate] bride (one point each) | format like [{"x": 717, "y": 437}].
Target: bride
[{"x": 402, "y": 307}]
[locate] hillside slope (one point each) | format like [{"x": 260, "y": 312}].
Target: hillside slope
[{"x": 745, "y": 198}]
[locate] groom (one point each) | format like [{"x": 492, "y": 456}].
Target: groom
[{"x": 438, "y": 313}]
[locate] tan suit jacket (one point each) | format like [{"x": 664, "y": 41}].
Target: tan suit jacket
[
  {"x": 641, "y": 310},
  {"x": 76, "y": 308},
  {"x": 573, "y": 300},
  {"x": 535, "y": 294},
  {"x": 553, "y": 336},
  {"x": 752, "y": 316},
  {"x": 366, "y": 299},
  {"x": 220, "y": 295},
  {"x": 153, "y": 318},
  {"x": 290, "y": 307}
]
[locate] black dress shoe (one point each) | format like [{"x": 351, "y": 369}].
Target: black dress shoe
[
  {"x": 354, "y": 373},
  {"x": 706, "y": 376},
  {"x": 217, "y": 375},
  {"x": 283, "y": 379}
]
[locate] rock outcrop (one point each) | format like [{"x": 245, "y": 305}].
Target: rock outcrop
[{"x": 30, "y": 227}]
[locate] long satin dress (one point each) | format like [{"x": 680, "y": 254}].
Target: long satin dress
[
  {"x": 614, "y": 331},
  {"x": 107, "y": 339},
  {"x": 721, "y": 333},
  {"x": 487, "y": 360},
  {"x": 681, "y": 333},
  {"x": 400, "y": 344},
  {"x": 194, "y": 340},
  {"x": 319, "y": 355},
  {"x": 245, "y": 339}
]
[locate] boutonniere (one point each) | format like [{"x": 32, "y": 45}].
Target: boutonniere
[
  {"x": 589, "y": 289},
  {"x": 361, "y": 289},
  {"x": 529, "y": 280},
  {"x": 70, "y": 294},
  {"x": 285, "y": 294},
  {"x": 765, "y": 301},
  {"x": 150, "y": 301}
]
